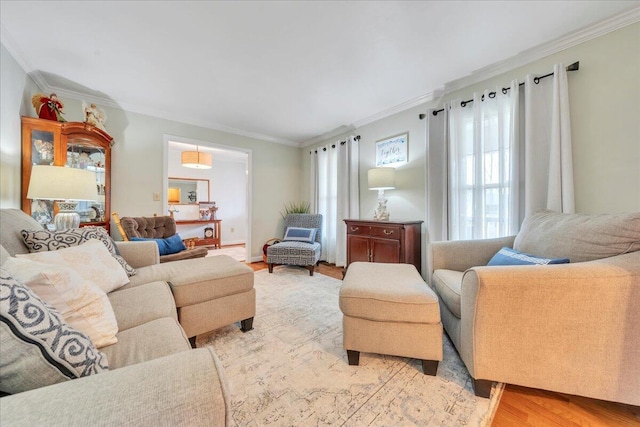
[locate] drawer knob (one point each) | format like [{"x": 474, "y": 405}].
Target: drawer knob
[
  {"x": 387, "y": 232},
  {"x": 355, "y": 228}
]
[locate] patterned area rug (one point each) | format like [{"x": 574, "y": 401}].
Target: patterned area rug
[
  {"x": 291, "y": 369},
  {"x": 235, "y": 252}
]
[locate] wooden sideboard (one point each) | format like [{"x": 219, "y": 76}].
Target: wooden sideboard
[
  {"x": 214, "y": 240},
  {"x": 384, "y": 241}
]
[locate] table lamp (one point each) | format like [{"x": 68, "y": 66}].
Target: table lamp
[
  {"x": 381, "y": 179},
  {"x": 67, "y": 186}
]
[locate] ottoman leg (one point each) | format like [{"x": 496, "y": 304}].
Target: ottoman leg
[
  {"x": 246, "y": 325},
  {"x": 354, "y": 357},
  {"x": 430, "y": 367},
  {"x": 192, "y": 341}
]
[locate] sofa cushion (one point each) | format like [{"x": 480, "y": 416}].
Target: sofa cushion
[
  {"x": 12, "y": 222},
  {"x": 92, "y": 260},
  {"x": 81, "y": 302},
  {"x": 147, "y": 341},
  {"x": 197, "y": 280},
  {"x": 45, "y": 240},
  {"x": 166, "y": 246},
  {"x": 508, "y": 256},
  {"x": 448, "y": 284},
  {"x": 578, "y": 237},
  {"x": 38, "y": 347},
  {"x": 142, "y": 304}
]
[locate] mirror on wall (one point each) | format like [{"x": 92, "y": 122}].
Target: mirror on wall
[{"x": 188, "y": 191}]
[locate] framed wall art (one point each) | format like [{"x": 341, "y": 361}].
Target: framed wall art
[{"x": 392, "y": 151}]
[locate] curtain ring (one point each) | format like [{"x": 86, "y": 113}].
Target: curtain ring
[
  {"x": 333, "y": 146},
  {"x": 536, "y": 80},
  {"x": 482, "y": 97},
  {"x": 324, "y": 149},
  {"x": 504, "y": 90},
  {"x": 463, "y": 104},
  {"x": 492, "y": 95}
]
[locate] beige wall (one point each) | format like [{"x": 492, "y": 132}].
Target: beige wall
[{"x": 16, "y": 88}]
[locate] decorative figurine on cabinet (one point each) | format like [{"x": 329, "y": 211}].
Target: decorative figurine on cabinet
[
  {"x": 94, "y": 116},
  {"x": 48, "y": 107}
]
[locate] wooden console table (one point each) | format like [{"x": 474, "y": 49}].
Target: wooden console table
[{"x": 214, "y": 240}]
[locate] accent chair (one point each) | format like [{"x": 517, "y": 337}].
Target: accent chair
[{"x": 301, "y": 243}]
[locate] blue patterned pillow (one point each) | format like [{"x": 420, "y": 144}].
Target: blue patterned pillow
[
  {"x": 168, "y": 246},
  {"x": 508, "y": 256},
  {"x": 38, "y": 347},
  {"x": 45, "y": 240},
  {"x": 299, "y": 234}
]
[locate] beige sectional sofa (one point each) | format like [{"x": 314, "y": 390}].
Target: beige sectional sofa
[
  {"x": 154, "y": 377},
  {"x": 572, "y": 328}
]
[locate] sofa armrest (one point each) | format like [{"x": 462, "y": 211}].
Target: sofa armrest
[
  {"x": 573, "y": 328},
  {"x": 186, "y": 388},
  {"x": 460, "y": 255},
  {"x": 139, "y": 254}
]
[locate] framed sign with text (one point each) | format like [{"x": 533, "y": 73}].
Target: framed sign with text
[{"x": 392, "y": 151}]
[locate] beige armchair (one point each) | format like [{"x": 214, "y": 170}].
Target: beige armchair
[{"x": 572, "y": 328}]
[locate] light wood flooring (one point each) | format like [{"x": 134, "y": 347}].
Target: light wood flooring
[{"x": 528, "y": 407}]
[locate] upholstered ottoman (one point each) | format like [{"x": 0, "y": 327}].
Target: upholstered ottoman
[{"x": 389, "y": 309}]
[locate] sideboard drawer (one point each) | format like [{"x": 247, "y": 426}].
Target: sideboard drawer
[
  {"x": 358, "y": 229},
  {"x": 386, "y": 232}
]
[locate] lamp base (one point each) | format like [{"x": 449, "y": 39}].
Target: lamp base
[
  {"x": 381, "y": 214},
  {"x": 67, "y": 217}
]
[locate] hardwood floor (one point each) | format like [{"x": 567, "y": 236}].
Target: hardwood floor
[{"x": 528, "y": 407}]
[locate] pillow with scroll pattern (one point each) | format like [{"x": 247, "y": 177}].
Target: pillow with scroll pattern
[
  {"x": 45, "y": 240},
  {"x": 38, "y": 347}
]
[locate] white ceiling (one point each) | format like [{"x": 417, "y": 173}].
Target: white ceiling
[{"x": 290, "y": 72}]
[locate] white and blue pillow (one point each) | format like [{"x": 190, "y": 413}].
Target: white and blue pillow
[
  {"x": 38, "y": 347},
  {"x": 508, "y": 256},
  {"x": 300, "y": 234}
]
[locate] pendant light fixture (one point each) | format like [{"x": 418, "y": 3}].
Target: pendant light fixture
[{"x": 196, "y": 159}]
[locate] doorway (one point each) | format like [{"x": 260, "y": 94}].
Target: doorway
[{"x": 229, "y": 181}]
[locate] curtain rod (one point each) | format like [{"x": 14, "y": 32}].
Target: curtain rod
[
  {"x": 357, "y": 138},
  {"x": 573, "y": 67}
]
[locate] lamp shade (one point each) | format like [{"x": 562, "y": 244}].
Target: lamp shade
[
  {"x": 62, "y": 183},
  {"x": 196, "y": 160},
  {"x": 174, "y": 195},
  {"x": 381, "y": 178}
]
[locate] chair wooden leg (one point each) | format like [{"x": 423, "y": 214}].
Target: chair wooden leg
[
  {"x": 192, "y": 341},
  {"x": 353, "y": 357},
  {"x": 482, "y": 388},
  {"x": 246, "y": 325},
  {"x": 270, "y": 267},
  {"x": 430, "y": 367},
  {"x": 310, "y": 268}
]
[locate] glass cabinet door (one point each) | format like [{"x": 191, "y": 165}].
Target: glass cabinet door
[{"x": 84, "y": 154}]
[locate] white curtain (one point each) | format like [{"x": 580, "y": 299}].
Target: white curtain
[
  {"x": 528, "y": 131},
  {"x": 483, "y": 165},
  {"x": 547, "y": 144},
  {"x": 335, "y": 195}
]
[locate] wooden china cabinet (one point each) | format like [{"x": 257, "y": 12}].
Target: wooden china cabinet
[
  {"x": 71, "y": 144},
  {"x": 384, "y": 241}
]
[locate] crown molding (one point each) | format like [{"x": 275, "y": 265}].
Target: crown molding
[
  {"x": 107, "y": 102},
  {"x": 525, "y": 57},
  {"x": 567, "y": 41}
]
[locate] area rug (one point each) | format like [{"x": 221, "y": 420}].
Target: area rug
[
  {"x": 291, "y": 369},
  {"x": 235, "y": 252}
]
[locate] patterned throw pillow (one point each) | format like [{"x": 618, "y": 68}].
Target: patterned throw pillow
[
  {"x": 92, "y": 260},
  {"x": 508, "y": 256},
  {"x": 44, "y": 240},
  {"x": 300, "y": 234},
  {"x": 38, "y": 347},
  {"x": 81, "y": 302}
]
